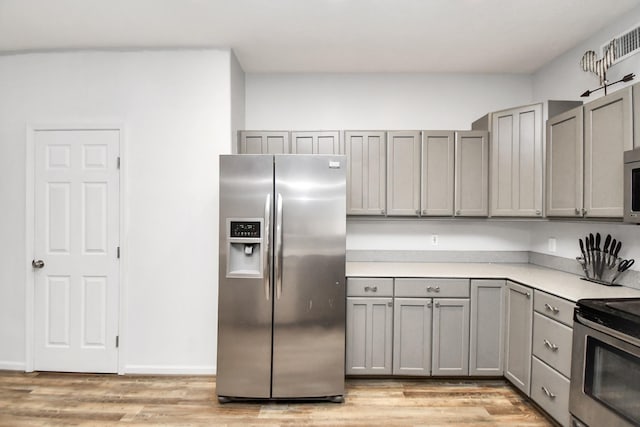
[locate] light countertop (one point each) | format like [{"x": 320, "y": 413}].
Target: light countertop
[{"x": 564, "y": 285}]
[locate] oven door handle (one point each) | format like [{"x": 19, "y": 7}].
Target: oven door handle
[{"x": 608, "y": 331}]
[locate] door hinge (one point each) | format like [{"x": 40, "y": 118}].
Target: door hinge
[
  {"x": 118, "y": 164},
  {"x": 118, "y": 252},
  {"x": 117, "y": 341}
]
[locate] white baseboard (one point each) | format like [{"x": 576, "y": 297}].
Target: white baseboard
[
  {"x": 169, "y": 370},
  {"x": 12, "y": 366}
]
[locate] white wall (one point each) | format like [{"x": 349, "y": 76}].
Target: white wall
[
  {"x": 378, "y": 101},
  {"x": 238, "y": 95},
  {"x": 176, "y": 109},
  {"x": 563, "y": 78}
]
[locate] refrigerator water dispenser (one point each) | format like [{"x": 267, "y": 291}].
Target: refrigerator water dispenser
[{"x": 244, "y": 247}]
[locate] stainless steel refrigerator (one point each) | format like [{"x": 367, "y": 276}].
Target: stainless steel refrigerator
[{"x": 281, "y": 297}]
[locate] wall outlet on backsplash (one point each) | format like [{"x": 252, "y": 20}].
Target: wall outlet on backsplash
[
  {"x": 552, "y": 244},
  {"x": 434, "y": 239}
]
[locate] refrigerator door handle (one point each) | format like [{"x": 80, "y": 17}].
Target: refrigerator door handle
[
  {"x": 278, "y": 246},
  {"x": 267, "y": 247}
]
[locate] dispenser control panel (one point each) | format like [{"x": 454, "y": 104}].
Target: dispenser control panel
[{"x": 246, "y": 229}]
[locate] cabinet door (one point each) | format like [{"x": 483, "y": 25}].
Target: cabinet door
[
  {"x": 403, "y": 173},
  {"x": 517, "y": 162},
  {"x": 437, "y": 173},
  {"x": 608, "y": 132},
  {"x": 322, "y": 142},
  {"x": 487, "y": 327},
  {"x": 412, "y": 336},
  {"x": 450, "y": 337},
  {"x": 366, "y": 172},
  {"x": 471, "y": 170},
  {"x": 519, "y": 318},
  {"x": 564, "y": 164},
  {"x": 369, "y": 342},
  {"x": 263, "y": 142}
]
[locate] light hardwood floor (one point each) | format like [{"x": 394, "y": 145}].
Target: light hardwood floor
[{"x": 54, "y": 399}]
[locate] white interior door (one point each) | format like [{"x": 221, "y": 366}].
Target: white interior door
[{"x": 76, "y": 237}]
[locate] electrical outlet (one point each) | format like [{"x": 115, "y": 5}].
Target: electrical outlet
[
  {"x": 434, "y": 239},
  {"x": 552, "y": 244}
]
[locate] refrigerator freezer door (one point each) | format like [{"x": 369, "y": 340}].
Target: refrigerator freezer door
[
  {"x": 309, "y": 305},
  {"x": 245, "y": 308}
]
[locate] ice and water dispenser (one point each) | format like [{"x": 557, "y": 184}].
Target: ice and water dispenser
[{"x": 245, "y": 247}]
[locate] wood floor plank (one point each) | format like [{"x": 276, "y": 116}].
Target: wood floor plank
[{"x": 55, "y": 399}]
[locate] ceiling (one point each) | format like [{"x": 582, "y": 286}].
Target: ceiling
[{"x": 468, "y": 36}]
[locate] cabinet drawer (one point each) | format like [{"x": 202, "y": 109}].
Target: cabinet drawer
[
  {"x": 436, "y": 288},
  {"x": 552, "y": 343},
  {"x": 554, "y": 307},
  {"x": 369, "y": 287},
  {"x": 550, "y": 390}
]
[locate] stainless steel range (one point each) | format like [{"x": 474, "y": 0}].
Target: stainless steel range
[{"x": 605, "y": 370}]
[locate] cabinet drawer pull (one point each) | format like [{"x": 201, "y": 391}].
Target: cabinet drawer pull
[
  {"x": 550, "y": 345},
  {"x": 527, "y": 294},
  {"x": 551, "y": 308},
  {"x": 549, "y": 394},
  {"x": 371, "y": 289},
  {"x": 433, "y": 288}
]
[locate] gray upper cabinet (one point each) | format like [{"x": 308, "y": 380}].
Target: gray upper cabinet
[
  {"x": 471, "y": 173},
  {"x": 437, "y": 173},
  {"x": 487, "y": 327},
  {"x": 316, "y": 142},
  {"x": 519, "y": 318},
  {"x": 450, "y": 336},
  {"x": 366, "y": 172},
  {"x": 263, "y": 142},
  {"x": 565, "y": 144},
  {"x": 403, "y": 173},
  {"x": 517, "y": 162},
  {"x": 412, "y": 336},
  {"x": 636, "y": 115},
  {"x": 608, "y": 132}
]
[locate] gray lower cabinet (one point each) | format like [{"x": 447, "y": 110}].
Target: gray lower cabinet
[
  {"x": 263, "y": 142},
  {"x": 369, "y": 326},
  {"x": 518, "y": 319},
  {"x": 403, "y": 173},
  {"x": 316, "y": 142},
  {"x": 369, "y": 335},
  {"x": 550, "y": 390},
  {"x": 450, "y": 353},
  {"x": 366, "y": 172},
  {"x": 471, "y": 187},
  {"x": 487, "y": 327},
  {"x": 412, "y": 336}
]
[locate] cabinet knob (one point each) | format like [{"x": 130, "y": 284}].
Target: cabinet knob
[
  {"x": 538, "y": 213},
  {"x": 458, "y": 212},
  {"x": 417, "y": 211},
  {"x": 577, "y": 211},
  {"x": 437, "y": 304},
  {"x": 424, "y": 212},
  {"x": 584, "y": 212},
  {"x": 382, "y": 211}
]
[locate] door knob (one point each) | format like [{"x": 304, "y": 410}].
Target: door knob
[{"x": 37, "y": 264}]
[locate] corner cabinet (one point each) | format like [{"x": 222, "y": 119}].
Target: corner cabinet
[
  {"x": 487, "y": 327},
  {"x": 366, "y": 172},
  {"x": 369, "y": 337},
  {"x": 517, "y": 162},
  {"x": 263, "y": 142},
  {"x": 519, "y": 330},
  {"x": 471, "y": 173},
  {"x": 403, "y": 173},
  {"x": 438, "y": 160}
]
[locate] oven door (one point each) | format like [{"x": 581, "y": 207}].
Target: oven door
[{"x": 605, "y": 376}]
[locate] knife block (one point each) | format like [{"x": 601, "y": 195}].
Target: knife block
[{"x": 604, "y": 274}]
